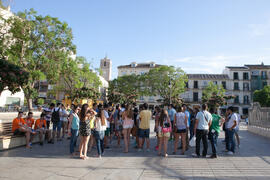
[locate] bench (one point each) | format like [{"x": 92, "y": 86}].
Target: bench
[{"x": 8, "y": 140}]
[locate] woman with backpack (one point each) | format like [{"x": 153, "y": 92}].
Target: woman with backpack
[
  {"x": 180, "y": 124},
  {"x": 164, "y": 130}
]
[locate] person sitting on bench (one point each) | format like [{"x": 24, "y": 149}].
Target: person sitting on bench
[
  {"x": 40, "y": 127},
  {"x": 19, "y": 127}
]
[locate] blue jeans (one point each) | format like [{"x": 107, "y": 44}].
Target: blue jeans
[
  {"x": 99, "y": 136},
  {"x": 213, "y": 139},
  {"x": 73, "y": 139},
  {"x": 231, "y": 140},
  {"x": 57, "y": 125}
]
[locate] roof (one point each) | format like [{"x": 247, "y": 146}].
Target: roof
[
  {"x": 208, "y": 76},
  {"x": 139, "y": 65},
  {"x": 257, "y": 66},
  {"x": 237, "y": 67}
]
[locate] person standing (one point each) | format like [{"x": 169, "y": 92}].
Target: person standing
[
  {"x": 48, "y": 112},
  {"x": 187, "y": 113},
  {"x": 64, "y": 120},
  {"x": 180, "y": 124},
  {"x": 157, "y": 114},
  {"x": 73, "y": 129},
  {"x": 171, "y": 112},
  {"x": 56, "y": 122},
  {"x": 144, "y": 127},
  {"x": 85, "y": 130},
  {"x": 164, "y": 131},
  {"x": 100, "y": 127},
  {"x": 107, "y": 132},
  {"x": 214, "y": 131},
  {"x": 128, "y": 123},
  {"x": 202, "y": 124},
  {"x": 231, "y": 124}
]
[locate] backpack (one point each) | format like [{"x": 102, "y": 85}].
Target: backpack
[{"x": 56, "y": 116}]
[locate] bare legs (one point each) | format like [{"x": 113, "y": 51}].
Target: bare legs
[
  {"x": 163, "y": 142},
  {"x": 183, "y": 141},
  {"x": 83, "y": 147},
  {"x": 126, "y": 133}
]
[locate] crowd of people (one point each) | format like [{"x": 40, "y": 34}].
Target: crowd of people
[{"x": 99, "y": 125}]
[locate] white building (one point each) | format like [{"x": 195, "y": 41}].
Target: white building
[{"x": 106, "y": 68}]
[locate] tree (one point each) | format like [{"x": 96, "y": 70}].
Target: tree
[
  {"x": 166, "y": 81},
  {"x": 125, "y": 89},
  {"x": 38, "y": 44},
  {"x": 214, "y": 95},
  {"x": 77, "y": 80},
  {"x": 263, "y": 96},
  {"x": 12, "y": 77}
]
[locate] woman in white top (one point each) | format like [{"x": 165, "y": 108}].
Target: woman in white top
[
  {"x": 100, "y": 128},
  {"x": 127, "y": 125},
  {"x": 180, "y": 124},
  {"x": 64, "y": 120}
]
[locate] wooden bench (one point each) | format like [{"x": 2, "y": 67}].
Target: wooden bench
[{"x": 8, "y": 140}]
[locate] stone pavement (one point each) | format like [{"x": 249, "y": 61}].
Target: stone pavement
[{"x": 252, "y": 161}]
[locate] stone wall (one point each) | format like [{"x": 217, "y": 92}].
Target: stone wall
[{"x": 259, "y": 120}]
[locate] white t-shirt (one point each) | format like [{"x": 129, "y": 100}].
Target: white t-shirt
[
  {"x": 204, "y": 117},
  {"x": 48, "y": 114},
  {"x": 99, "y": 127},
  {"x": 63, "y": 114},
  {"x": 107, "y": 117},
  {"x": 231, "y": 121}
]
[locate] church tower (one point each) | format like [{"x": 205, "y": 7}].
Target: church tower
[{"x": 106, "y": 68}]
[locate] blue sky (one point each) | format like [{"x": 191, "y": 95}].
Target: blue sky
[{"x": 200, "y": 36}]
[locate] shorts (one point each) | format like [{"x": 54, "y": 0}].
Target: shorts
[
  {"x": 181, "y": 131},
  {"x": 129, "y": 126},
  {"x": 18, "y": 132},
  {"x": 161, "y": 134},
  {"x": 144, "y": 133},
  {"x": 107, "y": 132},
  {"x": 57, "y": 125}
]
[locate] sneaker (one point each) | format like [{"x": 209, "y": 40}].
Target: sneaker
[
  {"x": 148, "y": 150},
  {"x": 226, "y": 150},
  {"x": 195, "y": 155},
  {"x": 30, "y": 144},
  {"x": 213, "y": 156},
  {"x": 139, "y": 150},
  {"x": 230, "y": 153},
  {"x": 165, "y": 155}
]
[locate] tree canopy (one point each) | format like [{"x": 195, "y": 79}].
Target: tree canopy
[
  {"x": 39, "y": 45},
  {"x": 262, "y": 96}
]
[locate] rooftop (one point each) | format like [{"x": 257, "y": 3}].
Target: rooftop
[
  {"x": 208, "y": 76},
  {"x": 140, "y": 65},
  {"x": 250, "y": 66}
]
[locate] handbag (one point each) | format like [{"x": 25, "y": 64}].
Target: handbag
[{"x": 167, "y": 127}]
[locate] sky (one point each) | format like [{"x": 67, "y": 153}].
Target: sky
[{"x": 200, "y": 36}]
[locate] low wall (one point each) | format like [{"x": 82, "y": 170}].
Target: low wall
[{"x": 259, "y": 120}]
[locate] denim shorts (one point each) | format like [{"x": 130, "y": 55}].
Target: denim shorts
[
  {"x": 144, "y": 133},
  {"x": 57, "y": 125}
]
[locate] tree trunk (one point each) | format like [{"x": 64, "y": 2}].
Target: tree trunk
[{"x": 29, "y": 104}]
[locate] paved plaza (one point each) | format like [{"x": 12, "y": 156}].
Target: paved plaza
[{"x": 252, "y": 161}]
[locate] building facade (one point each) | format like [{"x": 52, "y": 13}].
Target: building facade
[{"x": 106, "y": 68}]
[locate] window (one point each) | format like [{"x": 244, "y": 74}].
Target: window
[
  {"x": 205, "y": 83},
  {"x": 224, "y": 84},
  {"x": 246, "y": 99},
  {"x": 195, "y": 84},
  {"x": 235, "y": 76},
  {"x": 215, "y": 83},
  {"x": 264, "y": 74},
  {"x": 264, "y": 84},
  {"x": 236, "y": 86},
  {"x": 245, "y": 76},
  {"x": 104, "y": 63},
  {"x": 195, "y": 97},
  {"x": 246, "y": 86},
  {"x": 236, "y": 100},
  {"x": 245, "y": 111}
]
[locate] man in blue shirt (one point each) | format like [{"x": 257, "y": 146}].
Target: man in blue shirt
[{"x": 171, "y": 112}]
